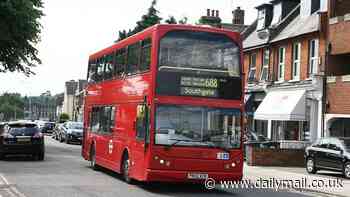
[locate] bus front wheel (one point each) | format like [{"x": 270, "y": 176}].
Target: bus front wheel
[
  {"x": 93, "y": 164},
  {"x": 126, "y": 169}
]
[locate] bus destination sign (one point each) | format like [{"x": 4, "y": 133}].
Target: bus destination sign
[{"x": 183, "y": 84}]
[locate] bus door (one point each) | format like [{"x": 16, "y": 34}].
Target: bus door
[
  {"x": 105, "y": 146},
  {"x": 142, "y": 139}
]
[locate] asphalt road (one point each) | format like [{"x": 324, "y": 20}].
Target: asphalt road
[{"x": 65, "y": 173}]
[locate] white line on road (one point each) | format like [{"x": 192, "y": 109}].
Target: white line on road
[{"x": 12, "y": 190}]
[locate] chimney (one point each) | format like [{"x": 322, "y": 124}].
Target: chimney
[
  {"x": 208, "y": 12},
  {"x": 238, "y": 16},
  {"x": 213, "y": 13},
  {"x": 217, "y": 13}
]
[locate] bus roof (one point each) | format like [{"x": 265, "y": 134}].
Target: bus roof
[{"x": 143, "y": 34}]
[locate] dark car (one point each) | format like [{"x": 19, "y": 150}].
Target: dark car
[
  {"x": 72, "y": 132},
  {"x": 22, "y": 138},
  {"x": 329, "y": 154},
  {"x": 48, "y": 127}
]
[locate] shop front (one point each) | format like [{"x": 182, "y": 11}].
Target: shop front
[{"x": 290, "y": 116}]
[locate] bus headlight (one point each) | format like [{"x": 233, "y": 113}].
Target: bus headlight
[{"x": 161, "y": 161}]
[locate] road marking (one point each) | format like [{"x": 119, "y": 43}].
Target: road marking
[{"x": 11, "y": 189}]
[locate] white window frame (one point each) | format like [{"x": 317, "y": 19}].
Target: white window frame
[
  {"x": 265, "y": 65},
  {"x": 252, "y": 69},
  {"x": 261, "y": 19},
  {"x": 281, "y": 63},
  {"x": 296, "y": 61},
  {"x": 313, "y": 56}
]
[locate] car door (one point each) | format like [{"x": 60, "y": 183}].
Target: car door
[
  {"x": 320, "y": 153},
  {"x": 335, "y": 155}
]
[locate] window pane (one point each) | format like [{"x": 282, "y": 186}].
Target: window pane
[
  {"x": 266, "y": 58},
  {"x": 146, "y": 55},
  {"x": 109, "y": 69},
  {"x": 120, "y": 62},
  {"x": 92, "y": 71},
  {"x": 133, "y": 58},
  {"x": 100, "y": 70}
]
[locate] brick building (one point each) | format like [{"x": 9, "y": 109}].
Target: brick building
[
  {"x": 284, "y": 62},
  {"x": 337, "y": 117}
]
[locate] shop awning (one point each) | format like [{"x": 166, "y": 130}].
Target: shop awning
[{"x": 283, "y": 105}]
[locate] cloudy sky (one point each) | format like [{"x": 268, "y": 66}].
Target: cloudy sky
[{"x": 74, "y": 29}]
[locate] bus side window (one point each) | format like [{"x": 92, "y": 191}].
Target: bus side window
[
  {"x": 133, "y": 58},
  {"x": 120, "y": 62},
  {"x": 109, "y": 68},
  {"x": 95, "y": 119},
  {"x": 145, "y": 54},
  {"x": 92, "y": 71},
  {"x": 142, "y": 122},
  {"x": 100, "y": 70}
]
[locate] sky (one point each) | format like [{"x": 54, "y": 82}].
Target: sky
[{"x": 72, "y": 30}]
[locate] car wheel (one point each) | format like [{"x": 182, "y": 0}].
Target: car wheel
[
  {"x": 347, "y": 170},
  {"x": 93, "y": 164},
  {"x": 126, "y": 169},
  {"x": 66, "y": 140},
  {"x": 61, "y": 139},
  {"x": 310, "y": 166},
  {"x": 41, "y": 156}
]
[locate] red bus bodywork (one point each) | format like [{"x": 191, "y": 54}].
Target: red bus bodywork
[{"x": 126, "y": 93}]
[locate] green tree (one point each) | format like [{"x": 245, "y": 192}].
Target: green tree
[
  {"x": 11, "y": 106},
  {"x": 63, "y": 117},
  {"x": 171, "y": 20},
  {"x": 19, "y": 33},
  {"x": 183, "y": 21},
  {"x": 147, "y": 20}
]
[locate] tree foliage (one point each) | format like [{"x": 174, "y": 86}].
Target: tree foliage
[
  {"x": 147, "y": 20},
  {"x": 63, "y": 117},
  {"x": 171, "y": 20},
  {"x": 11, "y": 106},
  {"x": 19, "y": 33}
]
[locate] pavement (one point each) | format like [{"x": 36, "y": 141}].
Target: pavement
[
  {"x": 65, "y": 173},
  {"x": 323, "y": 183}
]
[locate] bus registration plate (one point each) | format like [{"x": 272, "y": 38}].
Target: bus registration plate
[
  {"x": 198, "y": 176},
  {"x": 223, "y": 156}
]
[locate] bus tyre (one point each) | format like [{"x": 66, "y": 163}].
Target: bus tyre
[
  {"x": 93, "y": 164},
  {"x": 126, "y": 169},
  {"x": 347, "y": 170},
  {"x": 310, "y": 166}
]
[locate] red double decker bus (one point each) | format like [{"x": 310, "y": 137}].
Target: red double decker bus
[{"x": 166, "y": 105}]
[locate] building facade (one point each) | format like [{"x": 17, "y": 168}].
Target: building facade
[
  {"x": 68, "y": 99},
  {"x": 78, "y": 107},
  {"x": 41, "y": 107},
  {"x": 337, "y": 117},
  {"x": 284, "y": 62}
]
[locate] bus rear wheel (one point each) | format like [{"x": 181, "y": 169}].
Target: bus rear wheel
[{"x": 126, "y": 169}]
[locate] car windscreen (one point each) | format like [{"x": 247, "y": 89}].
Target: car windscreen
[{"x": 76, "y": 125}]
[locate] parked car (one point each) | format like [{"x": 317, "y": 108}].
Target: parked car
[
  {"x": 48, "y": 127},
  {"x": 72, "y": 132},
  {"x": 329, "y": 154},
  {"x": 22, "y": 138}
]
